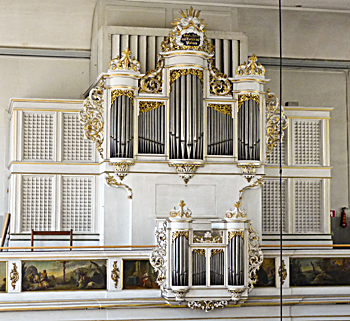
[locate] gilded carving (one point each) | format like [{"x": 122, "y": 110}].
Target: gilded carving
[
  {"x": 115, "y": 274},
  {"x": 125, "y": 62},
  {"x": 14, "y": 276},
  {"x": 225, "y": 109},
  {"x": 246, "y": 97},
  {"x": 232, "y": 234},
  {"x": 92, "y": 116},
  {"x": 219, "y": 84},
  {"x": 199, "y": 251},
  {"x": 274, "y": 126},
  {"x": 152, "y": 81},
  {"x": 282, "y": 272},
  {"x": 122, "y": 168},
  {"x": 185, "y": 170},
  {"x": 177, "y": 234},
  {"x": 207, "y": 305},
  {"x": 188, "y": 34},
  {"x": 180, "y": 211},
  {"x": 216, "y": 251},
  {"x": 249, "y": 170},
  {"x": 158, "y": 256},
  {"x": 237, "y": 212},
  {"x": 255, "y": 257},
  {"x": 177, "y": 73},
  {"x": 236, "y": 294},
  {"x": 111, "y": 181},
  {"x": 146, "y": 106},
  {"x": 180, "y": 294},
  {"x": 252, "y": 68},
  {"x": 208, "y": 238},
  {"x": 120, "y": 92}
]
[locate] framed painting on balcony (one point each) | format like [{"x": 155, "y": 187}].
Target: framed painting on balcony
[
  {"x": 138, "y": 274},
  {"x": 64, "y": 275}
]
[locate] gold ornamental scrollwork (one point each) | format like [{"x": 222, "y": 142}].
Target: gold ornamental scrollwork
[
  {"x": 125, "y": 62},
  {"x": 249, "y": 170},
  {"x": 232, "y": 234},
  {"x": 256, "y": 257},
  {"x": 275, "y": 126},
  {"x": 177, "y": 234},
  {"x": 122, "y": 168},
  {"x": 115, "y": 273},
  {"x": 185, "y": 170},
  {"x": 225, "y": 109},
  {"x": 151, "y": 82},
  {"x": 216, "y": 251},
  {"x": 92, "y": 116},
  {"x": 219, "y": 84},
  {"x": 207, "y": 238},
  {"x": 180, "y": 212},
  {"x": 119, "y": 92},
  {"x": 251, "y": 69},
  {"x": 282, "y": 272},
  {"x": 146, "y": 106},
  {"x": 237, "y": 212},
  {"x": 177, "y": 73},
  {"x": 188, "y": 25},
  {"x": 111, "y": 181},
  {"x": 157, "y": 258},
  {"x": 246, "y": 97},
  {"x": 14, "y": 276},
  {"x": 207, "y": 305},
  {"x": 199, "y": 251}
]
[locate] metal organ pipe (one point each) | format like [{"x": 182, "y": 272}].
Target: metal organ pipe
[
  {"x": 220, "y": 132},
  {"x": 235, "y": 261},
  {"x": 180, "y": 261},
  {"x": 186, "y": 116},
  {"x": 248, "y": 131},
  {"x": 151, "y": 131},
  {"x": 122, "y": 112}
]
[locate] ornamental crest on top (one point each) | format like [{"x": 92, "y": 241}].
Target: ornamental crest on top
[{"x": 188, "y": 34}]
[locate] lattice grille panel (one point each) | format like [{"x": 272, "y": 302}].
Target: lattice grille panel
[
  {"x": 307, "y": 142},
  {"x": 77, "y": 203},
  {"x": 271, "y": 206},
  {"x": 38, "y": 135},
  {"x": 36, "y": 203},
  {"x": 75, "y": 147},
  {"x": 308, "y": 206},
  {"x": 274, "y": 157}
]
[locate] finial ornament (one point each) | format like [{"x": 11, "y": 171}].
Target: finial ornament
[
  {"x": 125, "y": 62},
  {"x": 180, "y": 212},
  {"x": 252, "y": 68}
]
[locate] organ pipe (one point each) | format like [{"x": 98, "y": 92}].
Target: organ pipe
[
  {"x": 220, "y": 133},
  {"x": 235, "y": 261},
  {"x": 248, "y": 131},
  {"x": 186, "y": 116},
  {"x": 151, "y": 131},
  {"x": 122, "y": 128},
  {"x": 180, "y": 261}
]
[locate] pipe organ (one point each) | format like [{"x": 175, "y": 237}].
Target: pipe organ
[
  {"x": 186, "y": 113},
  {"x": 220, "y": 262},
  {"x": 185, "y": 110}
]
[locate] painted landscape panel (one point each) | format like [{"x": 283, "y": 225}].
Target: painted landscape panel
[
  {"x": 319, "y": 271},
  {"x": 138, "y": 274},
  {"x": 64, "y": 275},
  {"x": 3, "y": 287},
  {"x": 266, "y": 273}
]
